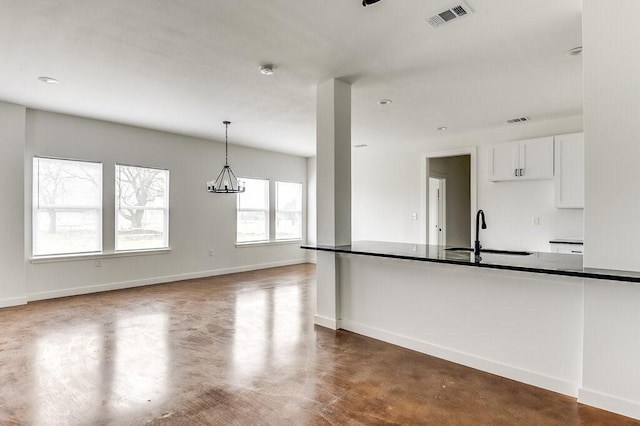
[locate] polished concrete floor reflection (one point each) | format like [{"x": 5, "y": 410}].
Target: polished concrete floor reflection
[{"x": 239, "y": 349}]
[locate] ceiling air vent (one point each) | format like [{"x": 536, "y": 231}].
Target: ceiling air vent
[
  {"x": 518, "y": 120},
  {"x": 456, "y": 11}
]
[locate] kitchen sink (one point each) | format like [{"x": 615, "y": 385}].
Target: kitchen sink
[{"x": 509, "y": 252}]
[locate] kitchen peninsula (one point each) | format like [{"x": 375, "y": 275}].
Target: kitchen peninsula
[{"x": 542, "y": 319}]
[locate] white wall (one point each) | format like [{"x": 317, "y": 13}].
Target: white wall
[
  {"x": 312, "y": 237},
  {"x": 199, "y": 221},
  {"x": 12, "y": 283},
  {"x": 611, "y": 373},
  {"x": 611, "y": 65},
  {"x": 386, "y": 190},
  {"x": 527, "y": 327}
]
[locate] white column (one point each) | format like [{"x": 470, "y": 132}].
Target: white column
[
  {"x": 333, "y": 146},
  {"x": 611, "y": 64},
  {"x": 12, "y": 165}
]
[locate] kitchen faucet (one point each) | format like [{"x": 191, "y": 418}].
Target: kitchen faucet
[{"x": 477, "y": 246}]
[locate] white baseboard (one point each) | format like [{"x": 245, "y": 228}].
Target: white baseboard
[
  {"x": 14, "y": 301},
  {"x": 493, "y": 367},
  {"x": 75, "y": 291},
  {"x": 609, "y": 403},
  {"x": 325, "y": 322}
]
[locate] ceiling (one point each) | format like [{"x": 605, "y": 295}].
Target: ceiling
[{"x": 185, "y": 66}]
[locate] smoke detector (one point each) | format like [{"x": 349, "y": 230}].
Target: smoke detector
[
  {"x": 266, "y": 69},
  {"x": 458, "y": 10},
  {"x": 518, "y": 120}
]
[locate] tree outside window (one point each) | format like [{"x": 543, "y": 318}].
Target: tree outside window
[
  {"x": 67, "y": 206},
  {"x": 288, "y": 210},
  {"x": 142, "y": 205}
]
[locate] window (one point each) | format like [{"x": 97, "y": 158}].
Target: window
[
  {"x": 67, "y": 206},
  {"x": 288, "y": 211},
  {"x": 142, "y": 208},
  {"x": 253, "y": 212}
]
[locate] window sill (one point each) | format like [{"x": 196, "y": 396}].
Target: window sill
[
  {"x": 93, "y": 256},
  {"x": 269, "y": 243}
]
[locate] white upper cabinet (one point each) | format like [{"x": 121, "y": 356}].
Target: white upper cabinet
[
  {"x": 522, "y": 160},
  {"x": 503, "y": 161},
  {"x": 569, "y": 180}
]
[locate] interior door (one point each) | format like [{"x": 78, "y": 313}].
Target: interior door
[{"x": 437, "y": 211}]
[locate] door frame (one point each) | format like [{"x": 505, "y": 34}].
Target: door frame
[
  {"x": 442, "y": 210},
  {"x": 472, "y": 151}
]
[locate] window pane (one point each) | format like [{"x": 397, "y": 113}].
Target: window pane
[
  {"x": 255, "y": 196},
  {"x": 288, "y": 225},
  {"x": 67, "y": 183},
  {"x": 65, "y": 232},
  {"x": 142, "y": 203},
  {"x": 67, "y": 206},
  {"x": 252, "y": 226},
  {"x": 288, "y": 210},
  {"x": 253, "y": 211},
  {"x": 289, "y": 196}
]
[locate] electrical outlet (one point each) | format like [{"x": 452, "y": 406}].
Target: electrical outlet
[
  {"x": 98, "y": 263},
  {"x": 535, "y": 220},
  {"x": 414, "y": 216},
  {"x": 210, "y": 252}
]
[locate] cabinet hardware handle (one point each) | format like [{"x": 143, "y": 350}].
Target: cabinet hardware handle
[
  {"x": 521, "y": 172},
  {"x": 516, "y": 172},
  {"x": 576, "y": 251}
]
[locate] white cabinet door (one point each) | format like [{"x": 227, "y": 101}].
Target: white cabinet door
[
  {"x": 536, "y": 158},
  {"x": 503, "y": 161},
  {"x": 569, "y": 158},
  {"x": 521, "y": 160}
]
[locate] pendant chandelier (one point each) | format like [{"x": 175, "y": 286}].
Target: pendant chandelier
[{"x": 226, "y": 182}]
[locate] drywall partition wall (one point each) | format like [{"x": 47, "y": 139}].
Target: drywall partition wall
[
  {"x": 456, "y": 171},
  {"x": 611, "y": 63},
  {"x": 385, "y": 192},
  {"x": 386, "y": 182},
  {"x": 611, "y": 372},
  {"x": 199, "y": 221},
  {"x": 12, "y": 263},
  {"x": 311, "y": 207},
  {"x": 527, "y": 327}
]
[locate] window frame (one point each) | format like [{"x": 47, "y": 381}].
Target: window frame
[
  {"x": 276, "y": 210},
  {"x": 166, "y": 209},
  {"x": 37, "y": 208},
  {"x": 266, "y": 211}
]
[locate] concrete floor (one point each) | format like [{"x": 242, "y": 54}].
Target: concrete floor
[{"x": 239, "y": 349}]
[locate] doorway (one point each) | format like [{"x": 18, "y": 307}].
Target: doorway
[
  {"x": 437, "y": 211},
  {"x": 450, "y": 198}
]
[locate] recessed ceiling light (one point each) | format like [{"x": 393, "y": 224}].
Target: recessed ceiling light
[
  {"x": 575, "y": 51},
  {"x": 48, "y": 80},
  {"x": 362, "y": 145},
  {"x": 384, "y": 101},
  {"x": 266, "y": 69},
  {"x": 441, "y": 128}
]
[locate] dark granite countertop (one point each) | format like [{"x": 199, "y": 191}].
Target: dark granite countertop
[
  {"x": 537, "y": 262},
  {"x": 566, "y": 241}
]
